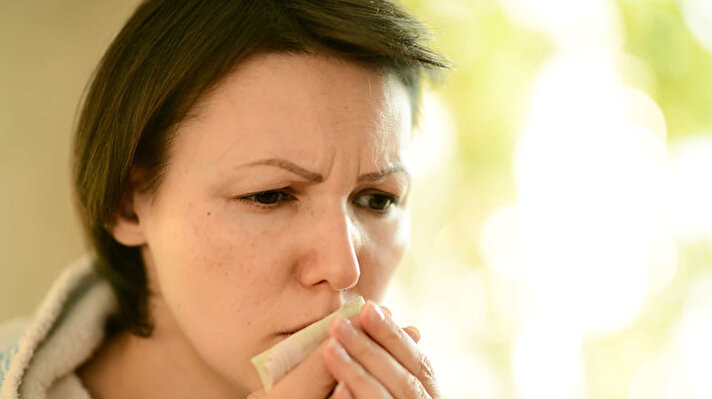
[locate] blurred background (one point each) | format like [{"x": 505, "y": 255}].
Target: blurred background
[{"x": 562, "y": 216}]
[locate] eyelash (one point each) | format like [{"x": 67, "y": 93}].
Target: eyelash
[
  {"x": 283, "y": 197},
  {"x": 391, "y": 201}
]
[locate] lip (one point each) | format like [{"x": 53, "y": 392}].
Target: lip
[
  {"x": 301, "y": 326},
  {"x": 335, "y": 305}
]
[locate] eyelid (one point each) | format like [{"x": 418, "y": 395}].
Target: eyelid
[
  {"x": 395, "y": 201},
  {"x": 395, "y": 197},
  {"x": 286, "y": 196},
  {"x": 397, "y": 194},
  {"x": 285, "y": 192},
  {"x": 398, "y": 185}
]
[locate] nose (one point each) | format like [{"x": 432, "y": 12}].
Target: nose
[{"x": 332, "y": 244}]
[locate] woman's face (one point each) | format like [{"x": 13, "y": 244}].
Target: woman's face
[{"x": 285, "y": 196}]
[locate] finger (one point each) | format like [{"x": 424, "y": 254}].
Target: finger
[
  {"x": 377, "y": 362},
  {"x": 310, "y": 379},
  {"x": 358, "y": 381},
  {"x": 341, "y": 392},
  {"x": 399, "y": 344},
  {"x": 412, "y": 331}
]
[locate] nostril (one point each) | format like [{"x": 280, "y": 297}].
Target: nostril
[{"x": 331, "y": 252}]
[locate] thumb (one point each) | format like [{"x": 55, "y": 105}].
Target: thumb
[{"x": 309, "y": 380}]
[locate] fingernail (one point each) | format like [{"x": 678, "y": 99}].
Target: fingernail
[
  {"x": 377, "y": 313},
  {"x": 416, "y": 332},
  {"x": 346, "y": 330},
  {"x": 342, "y": 391},
  {"x": 338, "y": 350}
]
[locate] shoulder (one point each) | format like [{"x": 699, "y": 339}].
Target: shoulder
[
  {"x": 11, "y": 330},
  {"x": 10, "y": 334}
]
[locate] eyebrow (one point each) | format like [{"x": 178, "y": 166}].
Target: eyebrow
[
  {"x": 375, "y": 176},
  {"x": 291, "y": 167},
  {"x": 318, "y": 178}
]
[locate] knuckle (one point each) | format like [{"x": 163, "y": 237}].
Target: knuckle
[
  {"x": 363, "y": 350},
  {"x": 360, "y": 379},
  {"x": 425, "y": 369},
  {"x": 412, "y": 388},
  {"x": 392, "y": 336}
]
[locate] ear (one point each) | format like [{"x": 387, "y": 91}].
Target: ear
[{"x": 127, "y": 228}]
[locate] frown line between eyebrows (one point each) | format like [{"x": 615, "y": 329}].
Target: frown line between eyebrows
[{"x": 318, "y": 178}]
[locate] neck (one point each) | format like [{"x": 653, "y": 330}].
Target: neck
[{"x": 161, "y": 366}]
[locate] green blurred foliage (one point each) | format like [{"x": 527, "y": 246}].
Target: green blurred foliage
[
  {"x": 656, "y": 33},
  {"x": 495, "y": 64}
]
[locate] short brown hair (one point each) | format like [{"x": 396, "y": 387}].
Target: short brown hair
[{"x": 172, "y": 52}]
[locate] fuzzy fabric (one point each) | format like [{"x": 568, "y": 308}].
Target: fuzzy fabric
[{"x": 39, "y": 356}]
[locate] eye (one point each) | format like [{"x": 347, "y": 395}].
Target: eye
[
  {"x": 377, "y": 202},
  {"x": 268, "y": 199}
]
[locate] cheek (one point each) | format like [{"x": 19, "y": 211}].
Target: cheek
[
  {"x": 218, "y": 277},
  {"x": 383, "y": 250},
  {"x": 208, "y": 256}
]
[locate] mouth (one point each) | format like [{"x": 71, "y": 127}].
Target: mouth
[
  {"x": 332, "y": 309},
  {"x": 286, "y": 334},
  {"x": 283, "y": 336}
]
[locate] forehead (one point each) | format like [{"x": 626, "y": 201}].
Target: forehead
[
  {"x": 299, "y": 80},
  {"x": 296, "y": 101}
]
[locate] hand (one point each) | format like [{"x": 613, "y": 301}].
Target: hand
[
  {"x": 310, "y": 379},
  {"x": 372, "y": 357}
]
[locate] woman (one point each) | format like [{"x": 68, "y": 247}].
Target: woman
[{"x": 240, "y": 169}]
